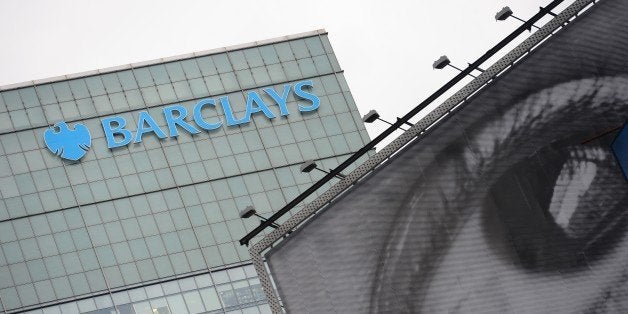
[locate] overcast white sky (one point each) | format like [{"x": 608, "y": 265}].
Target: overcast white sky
[{"x": 385, "y": 47}]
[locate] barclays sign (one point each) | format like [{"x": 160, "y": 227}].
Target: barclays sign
[{"x": 73, "y": 144}]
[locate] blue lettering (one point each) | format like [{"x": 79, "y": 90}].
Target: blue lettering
[
  {"x": 198, "y": 118},
  {"x": 173, "y": 122},
  {"x": 280, "y": 100},
  {"x": 231, "y": 120},
  {"x": 253, "y": 98},
  {"x": 110, "y": 130},
  {"x": 145, "y": 118},
  {"x": 298, "y": 90}
]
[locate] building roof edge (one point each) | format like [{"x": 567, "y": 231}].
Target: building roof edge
[{"x": 162, "y": 60}]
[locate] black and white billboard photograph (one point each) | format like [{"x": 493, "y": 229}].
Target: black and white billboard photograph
[
  {"x": 358, "y": 156},
  {"x": 512, "y": 202}
]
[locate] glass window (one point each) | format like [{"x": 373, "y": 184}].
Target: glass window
[
  {"x": 45, "y": 93},
  {"x": 307, "y": 67},
  {"x": 143, "y": 77},
  {"x": 36, "y": 116},
  {"x": 27, "y": 294},
  {"x": 102, "y": 104},
  {"x": 194, "y": 302},
  {"x": 139, "y": 249},
  {"x": 245, "y": 78},
  {"x": 222, "y": 63},
  {"x": 323, "y": 147},
  {"x": 127, "y": 79},
  {"x": 36, "y": 268},
  {"x": 221, "y": 146},
  {"x": 229, "y": 81},
  {"x": 151, "y": 97},
  {"x": 182, "y": 90},
  {"x": 205, "y": 236},
  {"x": 339, "y": 144},
  {"x": 227, "y": 295},
  {"x": 260, "y": 159},
  {"x": 29, "y": 97},
  {"x": 159, "y": 74},
  {"x": 130, "y": 275},
  {"x": 228, "y": 253},
  {"x": 3, "y": 106},
  {"x": 79, "y": 88},
  {"x": 164, "y": 222},
  {"x": 166, "y": 93},
  {"x": 292, "y": 153},
  {"x": 315, "y": 127},
  {"x": 220, "y": 232},
  {"x": 322, "y": 64},
  {"x": 210, "y": 299},
  {"x": 237, "y": 186},
  {"x": 95, "y": 86},
  {"x": 177, "y": 304},
  {"x": 314, "y": 45},
  {"x": 155, "y": 246},
  {"x": 197, "y": 172},
  {"x": 284, "y": 52},
  {"x": 206, "y": 65},
  {"x": 331, "y": 84},
  {"x": 284, "y": 134},
  {"x": 243, "y": 292},
  {"x": 276, "y": 156},
  {"x": 114, "y": 230},
  {"x": 172, "y": 242},
  {"x": 188, "y": 239},
  {"x": 269, "y": 137},
  {"x": 214, "y": 85},
  {"x": 163, "y": 266},
  {"x": 19, "y": 118},
  {"x": 299, "y": 49},
  {"x": 198, "y": 88},
  {"x": 229, "y": 166},
  {"x": 253, "y": 57},
  {"x": 291, "y": 68},
  {"x": 238, "y": 60},
  {"x": 71, "y": 263},
  {"x": 112, "y": 85},
  {"x": 86, "y": 107},
  {"x": 260, "y": 75},
  {"x": 175, "y": 71},
  {"x": 13, "y": 100},
  {"x": 269, "y": 54},
  {"x": 118, "y": 102},
  {"x": 190, "y": 68},
  {"x": 122, "y": 252}
]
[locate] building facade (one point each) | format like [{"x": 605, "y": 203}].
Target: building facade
[{"x": 121, "y": 188}]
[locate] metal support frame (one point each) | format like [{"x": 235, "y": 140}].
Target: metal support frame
[{"x": 412, "y": 134}]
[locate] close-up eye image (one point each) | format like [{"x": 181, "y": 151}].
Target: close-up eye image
[
  {"x": 358, "y": 156},
  {"x": 514, "y": 201}
]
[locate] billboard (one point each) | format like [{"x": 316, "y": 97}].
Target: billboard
[{"x": 513, "y": 203}]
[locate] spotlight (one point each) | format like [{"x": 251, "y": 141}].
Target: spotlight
[{"x": 310, "y": 165}]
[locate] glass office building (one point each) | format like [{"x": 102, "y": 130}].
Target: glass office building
[{"x": 152, "y": 225}]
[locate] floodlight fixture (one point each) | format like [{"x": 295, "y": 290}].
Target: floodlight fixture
[
  {"x": 310, "y": 165},
  {"x": 443, "y": 61},
  {"x": 247, "y": 212},
  {"x": 250, "y": 211},
  {"x": 373, "y": 115},
  {"x": 506, "y": 12}
]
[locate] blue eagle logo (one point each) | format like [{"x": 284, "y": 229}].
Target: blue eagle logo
[{"x": 70, "y": 144}]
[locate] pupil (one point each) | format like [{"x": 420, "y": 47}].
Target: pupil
[{"x": 561, "y": 207}]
